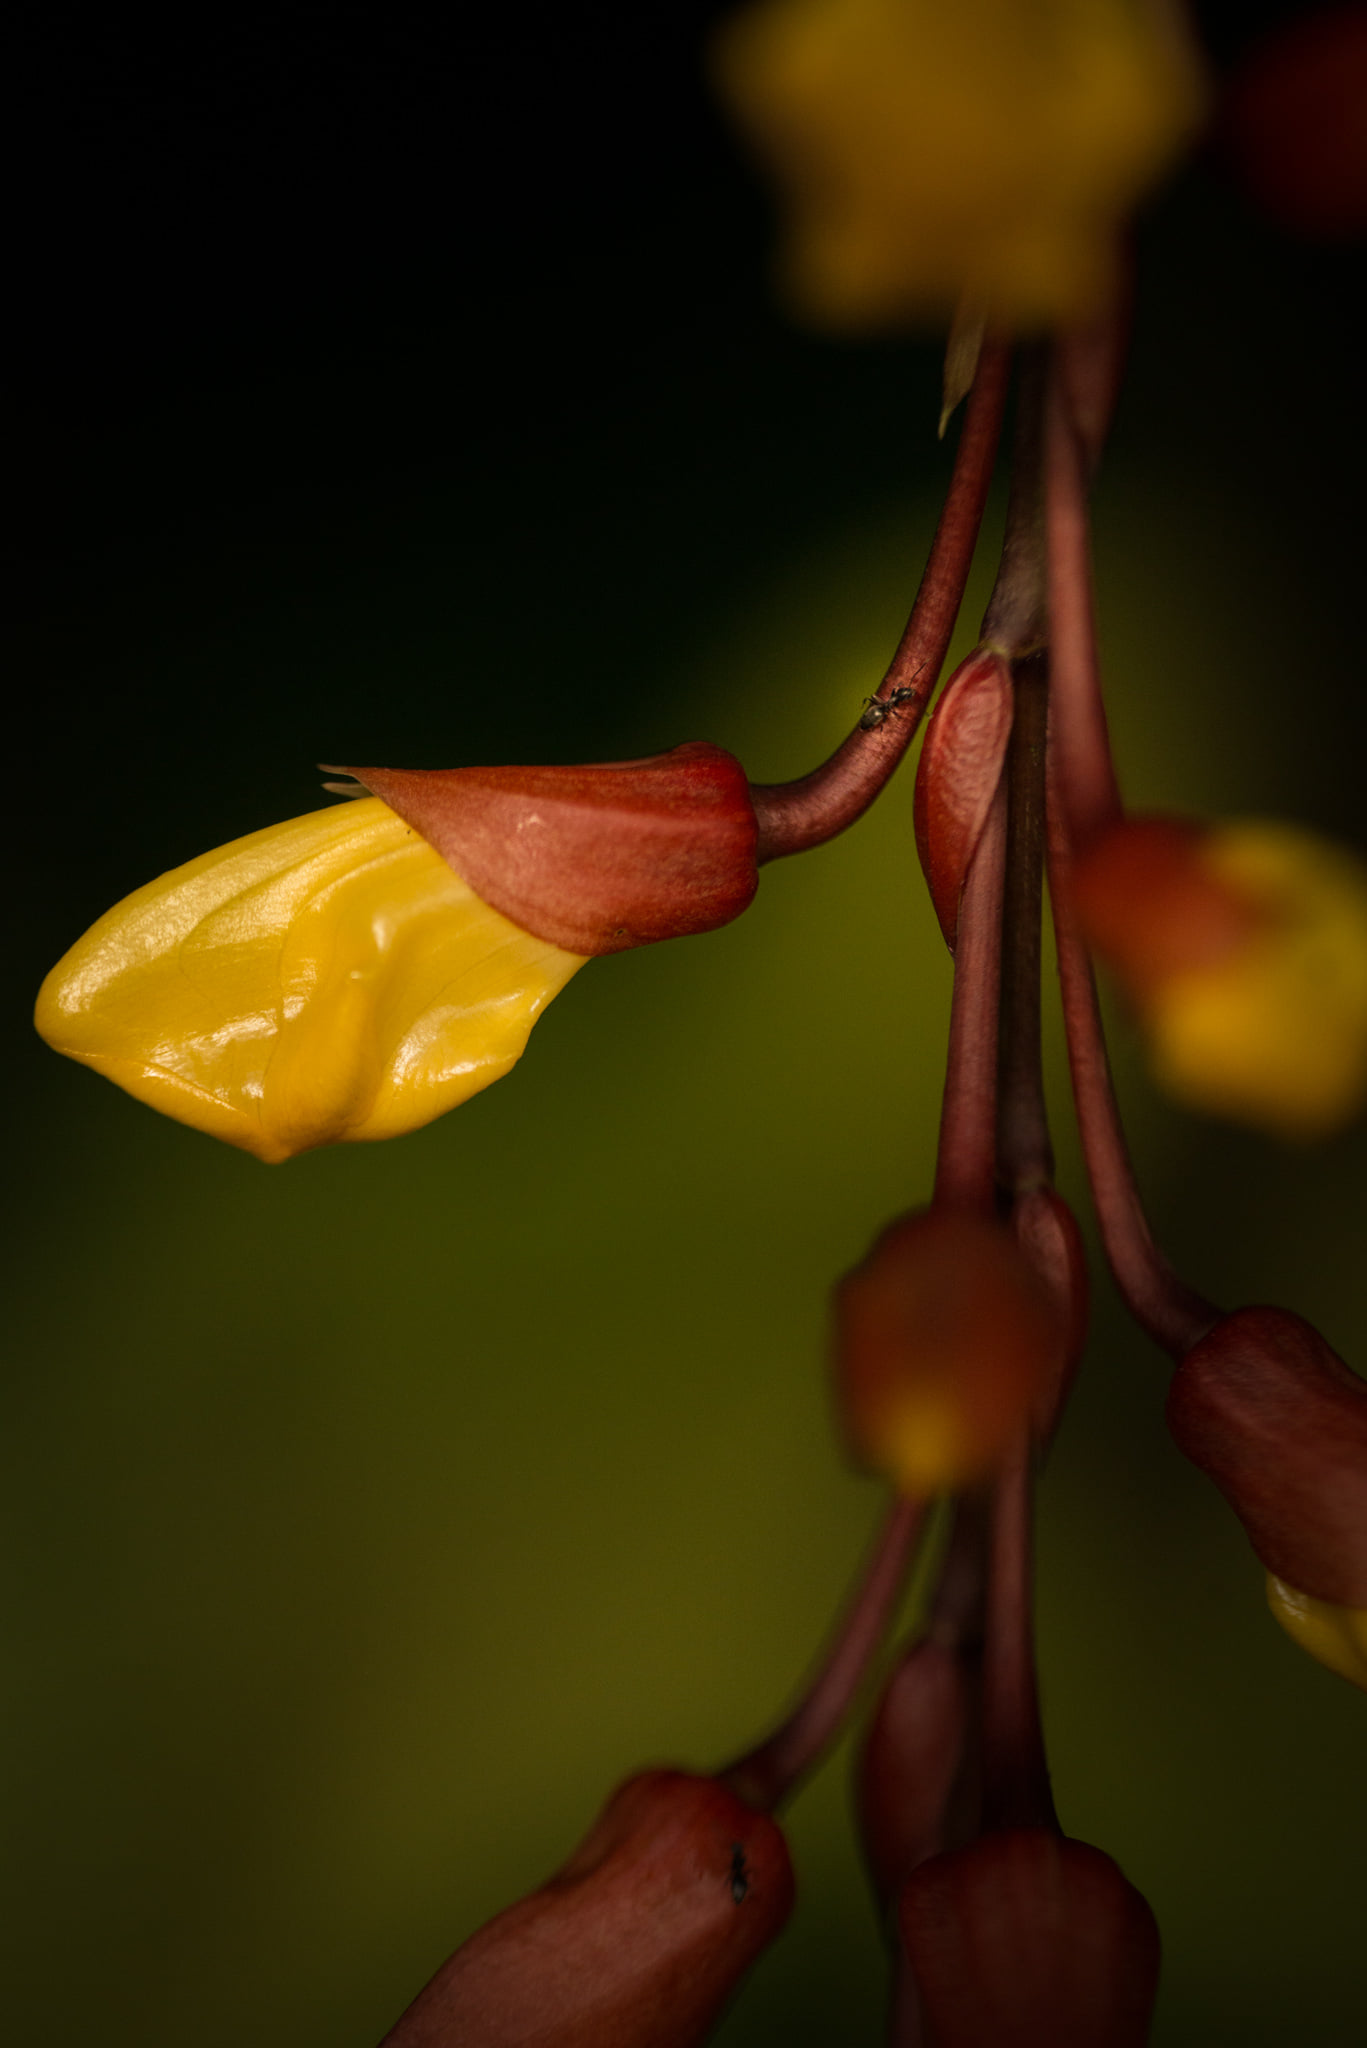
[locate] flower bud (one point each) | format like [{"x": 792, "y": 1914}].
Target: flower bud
[
  {"x": 593, "y": 859},
  {"x": 945, "y": 1340},
  {"x": 957, "y": 776},
  {"x": 1335, "y": 1636},
  {"x": 918, "y": 1745},
  {"x": 1244, "y": 949},
  {"x": 325, "y": 979},
  {"x": 1029, "y": 1940},
  {"x": 638, "y": 1942},
  {"x": 1277, "y": 1420}
]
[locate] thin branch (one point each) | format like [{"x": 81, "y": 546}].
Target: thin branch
[
  {"x": 794, "y": 816},
  {"x": 965, "y": 1167},
  {"x": 767, "y": 1774}
]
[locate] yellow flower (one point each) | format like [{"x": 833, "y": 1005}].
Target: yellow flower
[
  {"x": 940, "y": 149},
  {"x": 326, "y": 979},
  {"x": 1244, "y": 948},
  {"x": 1335, "y": 1636}
]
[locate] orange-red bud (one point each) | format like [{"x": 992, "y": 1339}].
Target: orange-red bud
[
  {"x": 945, "y": 1342},
  {"x": 597, "y": 858},
  {"x": 915, "y": 1752},
  {"x": 637, "y": 1942},
  {"x": 1029, "y": 1940},
  {"x": 1279, "y": 1422},
  {"x": 957, "y": 776}
]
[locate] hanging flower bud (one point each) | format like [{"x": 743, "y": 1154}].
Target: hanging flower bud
[
  {"x": 638, "y": 1942},
  {"x": 944, "y": 1342},
  {"x": 1244, "y": 949},
  {"x": 1335, "y": 1636},
  {"x": 325, "y": 979},
  {"x": 917, "y": 1747},
  {"x": 957, "y": 776},
  {"x": 594, "y": 859},
  {"x": 1277, "y": 1420},
  {"x": 993, "y": 148},
  {"x": 1029, "y": 1940}
]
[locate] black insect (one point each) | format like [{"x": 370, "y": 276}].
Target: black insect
[
  {"x": 877, "y": 710},
  {"x": 740, "y": 1876}
]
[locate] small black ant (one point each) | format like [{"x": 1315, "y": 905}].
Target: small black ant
[
  {"x": 740, "y": 1876},
  {"x": 877, "y": 710}
]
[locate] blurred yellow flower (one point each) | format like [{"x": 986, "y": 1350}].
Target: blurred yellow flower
[
  {"x": 326, "y": 979},
  {"x": 1335, "y": 1636},
  {"x": 1244, "y": 948},
  {"x": 936, "y": 150}
]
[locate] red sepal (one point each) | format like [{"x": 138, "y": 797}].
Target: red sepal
[
  {"x": 1277, "y": 1420},
  {"x": 637, "y": 1942},
  {"x": 594, "y": 858},
  {"x": 957, "y": 776}
]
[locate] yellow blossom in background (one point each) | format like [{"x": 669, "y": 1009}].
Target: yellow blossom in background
[
  {"x": 934, "y": 150},
  {"x": 1275, "y": 1032},
  {"x": 326, "y": 979},
  {"x": 1335, "y": 1636}
]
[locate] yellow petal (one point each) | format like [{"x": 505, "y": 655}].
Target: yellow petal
[
  {"x": 326, "y": 979},
  {"x": 986, "y": 146},
  {"x": 1275, "y": 1033},
  {"x": 1334, "y": 1636}
]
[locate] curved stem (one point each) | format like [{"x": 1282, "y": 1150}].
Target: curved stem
[
  {"x": 1078, "y": 716},
  {"x": 965, "y": 1166},
  {"x": 767, "y": 1774},
  {"x": 794, "y": 816},
  {"x": 1016, "y": 1792},
  {"x": 1172, "y": 1313}
]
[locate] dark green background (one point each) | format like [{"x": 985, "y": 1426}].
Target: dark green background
[{"x": 414, "y": 396}]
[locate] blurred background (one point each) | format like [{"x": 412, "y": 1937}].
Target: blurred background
[{"x": 413, "y": 393}]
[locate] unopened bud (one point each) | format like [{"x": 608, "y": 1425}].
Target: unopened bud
[
  {"x": 1029, "y": 1940},
  {"x": 637, "y": 1942},
  {"x": 593, "y": 859},
  {"x": 1277, "y": 1420},
  {"x": 912, "y": 1762},
  {"x": 957, "y": 776},
  {"x": 945, "y": 1341}
]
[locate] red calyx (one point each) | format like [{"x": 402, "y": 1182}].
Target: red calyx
[
  {"x": 957, "y": 776},
  {"x": 1029, "y": 1940},
  {"x": 1277, "y": 1420},
  {"x": 597, "y": 858},
  {"x": 637, "y": 1942}
]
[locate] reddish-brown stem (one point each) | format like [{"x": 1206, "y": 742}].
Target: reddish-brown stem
[
  {"x": 965, "y": 1166},
  {"x": 768, "y": 1773},
  {"x": 1016, "y": 1790},
  {"x": 1077, "y": 715},
  {"x": 1025, "y": 1156},
  {"x": 794, "y": 816},
  {"x": 1172, "y": 1313}
]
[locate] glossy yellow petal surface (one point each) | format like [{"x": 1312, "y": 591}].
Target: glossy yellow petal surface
[
  {"x": 1334, "y": 1636},
  {"x": 936, "y": 148},
  {"x": 326, "y": 979},
  {"x": 1275, "y": 1033}
]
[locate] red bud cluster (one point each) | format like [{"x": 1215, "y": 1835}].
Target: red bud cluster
[
  {"x": 637, "y": 1942},
  {"x": 1279, "y": 1422}
]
